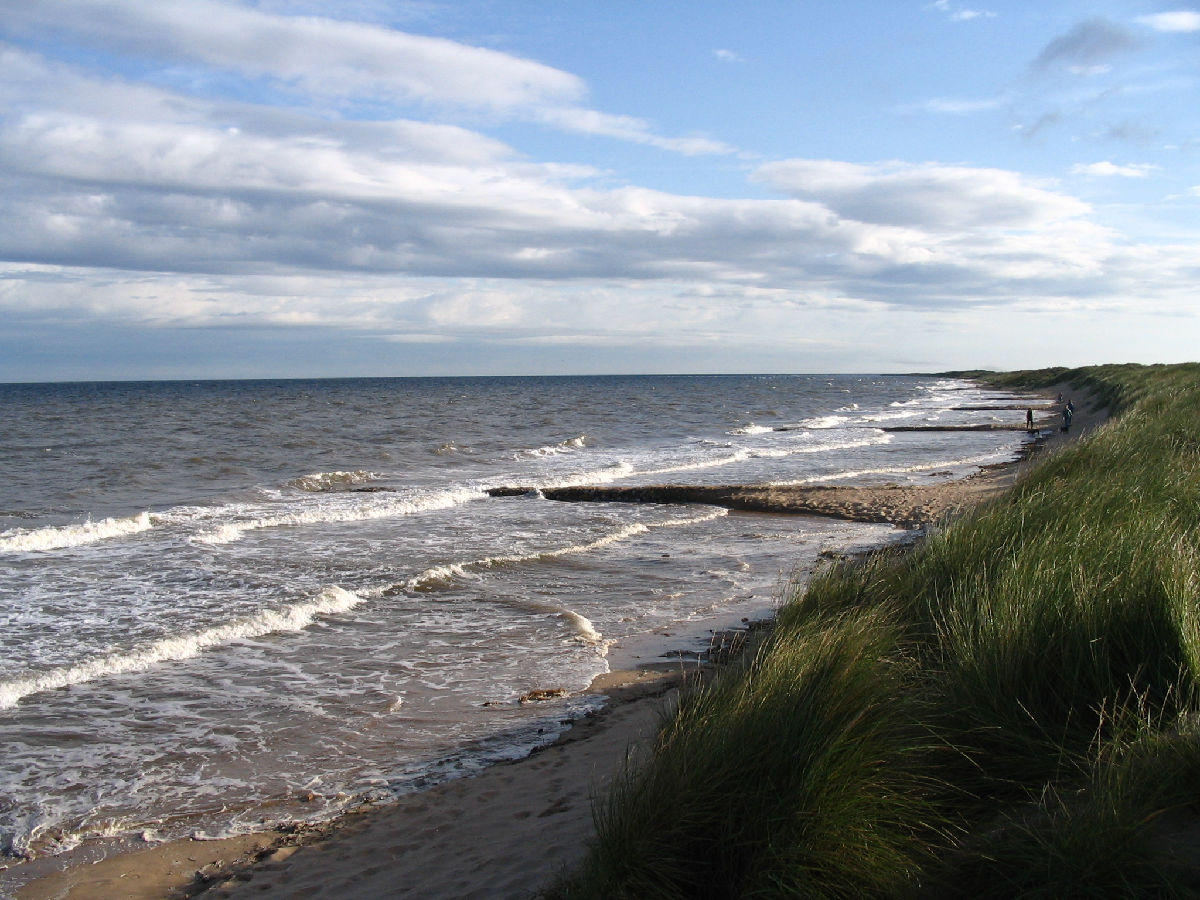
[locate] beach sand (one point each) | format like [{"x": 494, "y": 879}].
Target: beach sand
[{"x": 509, "y": 830}]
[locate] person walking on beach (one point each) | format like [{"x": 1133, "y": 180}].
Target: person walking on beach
[
  {"x": 1029, "y": 420},
  {"x": 1068, "y": 412}
]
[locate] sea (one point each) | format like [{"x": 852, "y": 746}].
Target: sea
[{"x": 227, "y": 605}]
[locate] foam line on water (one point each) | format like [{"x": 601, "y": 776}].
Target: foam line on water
[
  {"x": 741, "y": 455},
  {"x": 360, "y": 511},
  {"x": 575, "y": 443},
  {"x": 735, "y": 457},
  {"x": 449, "y": 571},
  {"x": 980, "y": 459},
  {"x": 59, "y": 537},
  {"x": 879, "y": 437},
  {"x": 597, "y": 476},
  {"x": 318, "y": 482},
  {"x": 822, "y": 422},
  {"x": 330, "y": 601}
]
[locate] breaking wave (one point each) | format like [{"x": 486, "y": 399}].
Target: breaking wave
[
  {"x": 567, "y": 446},
  {"x": 752, "y": 429},
  {"x": 331, "y": 601},
  {"x": 61, "y": 536},
  {"x": 360, "y": 511},
  {"x": 318, "y": 482}
]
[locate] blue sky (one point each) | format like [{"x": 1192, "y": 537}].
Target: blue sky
[{"x": 294, "y": 188}]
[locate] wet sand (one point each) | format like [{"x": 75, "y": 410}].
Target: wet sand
[{"x": 509, "y": 830}]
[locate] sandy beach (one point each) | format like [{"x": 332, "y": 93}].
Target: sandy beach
[{"x": 509, "y": 830}]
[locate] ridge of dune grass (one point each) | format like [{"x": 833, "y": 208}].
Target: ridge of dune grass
[{"x": 1009, "y": 708}]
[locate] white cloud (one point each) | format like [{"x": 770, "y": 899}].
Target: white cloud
[
  {"x": 211, "y": 208},
  {"x": 323, "y": 57},
  {"x": 960, "y": 13},
  {"x": 727, "y": 56},
  {"x": 955, "y": 107},
  {"x": 254, "y": 209},
  {"x": 323, "y": 61},
  {"x": 1107, "y": 169},
  {"x": 930, "y": 196},
  {"x": 627, "y": 128},
  {"x": 142, "y": 205},
  {"x": 1183, "y": 20}
]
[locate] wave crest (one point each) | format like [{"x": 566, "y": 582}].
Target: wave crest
[
  {"x": 228, "y": 532},
  {"x": 57, "y": 537},
  {"x": 331, "y": 601},
  {"x": 318, "y": 482}
]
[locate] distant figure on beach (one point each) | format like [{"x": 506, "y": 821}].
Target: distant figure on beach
[
  {"x": 1029, "y": 420},
  {"x": 1068, "y": 413}
]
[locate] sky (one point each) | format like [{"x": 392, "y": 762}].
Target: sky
[{"x": 298, "y": 188}]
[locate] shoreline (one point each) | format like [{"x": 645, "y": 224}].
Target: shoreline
[{"x": 511, "y": 828}]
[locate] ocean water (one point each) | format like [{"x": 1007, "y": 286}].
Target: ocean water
[{"x": 229, "y": 604}]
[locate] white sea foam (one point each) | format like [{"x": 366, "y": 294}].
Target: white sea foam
[
  {"x": 870, "y": 437},
  {"x": 752, "y": 429},
  {"x": 596, "y": 476},
  {"x": 980, "y": 459},
  {"x": 450, "y": 571},
  {"x": 893, "y": 416},
  {"x": 585, "y": 631},
  {"x": 567, "y": 446},
  {"x": 874, "y": 437},
  {"x": 331, "y": 601},
  {"x": 61, "y": 536},
  {"x": 737, "y": 456},
  {"x": 824, "y": 422},
  {"x": 362, "y": 508},
  {"x": 331, "y": 481}
]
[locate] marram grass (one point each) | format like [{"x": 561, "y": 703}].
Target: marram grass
[
  {"x": 1010, "y": 708},
  {"x": 740, "y": 800}
]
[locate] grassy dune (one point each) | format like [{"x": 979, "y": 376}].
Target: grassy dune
[{"x": 1010, "y": 708}]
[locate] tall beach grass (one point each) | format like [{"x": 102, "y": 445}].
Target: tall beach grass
[{"x": 1009, "y": 708}]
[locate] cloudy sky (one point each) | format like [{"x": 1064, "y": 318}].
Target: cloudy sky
[{"x": 278, "y": 188}]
